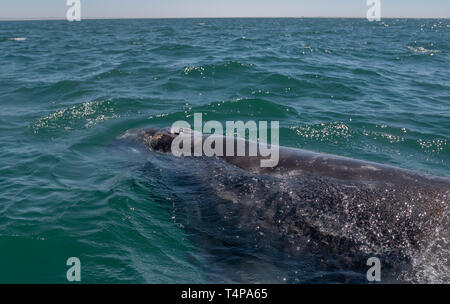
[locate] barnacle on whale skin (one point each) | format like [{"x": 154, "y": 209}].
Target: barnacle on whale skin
[{"x": 161, "y": 142}]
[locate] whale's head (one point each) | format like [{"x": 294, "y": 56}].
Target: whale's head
[{"x": 155, "y": 139}]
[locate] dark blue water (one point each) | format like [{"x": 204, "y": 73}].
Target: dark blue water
[{"x": 377, "y": 91}]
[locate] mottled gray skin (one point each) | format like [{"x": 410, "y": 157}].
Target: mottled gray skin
[{"x": 338, "y": 211}]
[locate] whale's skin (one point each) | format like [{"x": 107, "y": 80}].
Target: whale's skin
[{"x": 332, "y": 212}]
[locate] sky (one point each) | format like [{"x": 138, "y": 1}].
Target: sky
[{"x": 56, "y": 9}]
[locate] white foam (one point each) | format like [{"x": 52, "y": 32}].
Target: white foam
[{"x": 422, "y": 50}]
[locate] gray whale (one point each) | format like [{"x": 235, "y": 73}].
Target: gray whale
[{"x": 312, "y": 211}]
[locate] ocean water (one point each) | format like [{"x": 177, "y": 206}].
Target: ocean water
[{"x": 377, "y": 91}]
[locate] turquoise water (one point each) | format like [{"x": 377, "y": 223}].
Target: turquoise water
[{"x": 377, "y": 91}]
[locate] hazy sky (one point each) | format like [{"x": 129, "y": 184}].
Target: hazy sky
[{"x": 42, "y": 9}]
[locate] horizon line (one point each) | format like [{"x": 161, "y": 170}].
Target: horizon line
[{"x": 243, "y": 17}]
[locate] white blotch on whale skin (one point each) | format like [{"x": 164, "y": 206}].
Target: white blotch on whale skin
[
  {"x": 370, "y": 168},
  {"x": 125, "y": 135}
]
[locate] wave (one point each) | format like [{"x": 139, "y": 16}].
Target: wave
[
  {"x": 224, "y": 69},
  {"x": 174, "y": 49},
  {"x": 422, "y": 50},
  {"x": 18, "y": 38},
  {"x": 241, "y": 108},
  {"x": 86, "y": 115}
]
